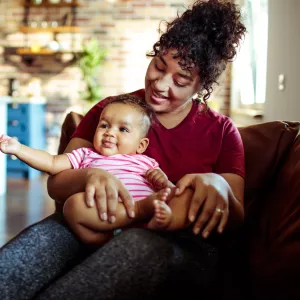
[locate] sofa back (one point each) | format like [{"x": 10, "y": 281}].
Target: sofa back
[{"x": 272, "y": 206}]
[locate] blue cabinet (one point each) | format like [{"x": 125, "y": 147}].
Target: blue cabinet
[{"x": 26, "y": 122}]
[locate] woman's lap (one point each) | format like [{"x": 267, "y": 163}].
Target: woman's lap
[
  {"x": 134, "y": 265},
  {"x": 35, "y": 257},
  {"x": 137, "y": 264}
]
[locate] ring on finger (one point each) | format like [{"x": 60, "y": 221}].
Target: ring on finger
[{"x": 219, "y": 210}]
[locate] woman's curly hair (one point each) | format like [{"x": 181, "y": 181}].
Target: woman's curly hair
[{"x": 206, "y": 36}]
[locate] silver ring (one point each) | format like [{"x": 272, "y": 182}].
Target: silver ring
[{"x": 219, "y": 210}]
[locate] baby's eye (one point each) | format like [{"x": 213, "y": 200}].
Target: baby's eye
[
  {"x": 124, "y": 129},
  {"x": 103, "y": 126}
]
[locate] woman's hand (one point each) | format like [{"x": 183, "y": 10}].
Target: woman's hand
[
  {"x": 210, "y": 201},
  {"x": 105, "y": 190}
]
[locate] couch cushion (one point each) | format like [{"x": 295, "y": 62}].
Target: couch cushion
[
  {"x": 273, "y": 210},
  {"x": 69, "y": 125},
  {"x": 266, "y": 146}
]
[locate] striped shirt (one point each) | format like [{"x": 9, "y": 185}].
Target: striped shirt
[{"x": 130, "y": 169}]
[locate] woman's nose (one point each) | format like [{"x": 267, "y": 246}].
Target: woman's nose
[{"x": 162, "y": 84}]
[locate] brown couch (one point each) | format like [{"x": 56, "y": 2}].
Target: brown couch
[{"x": 271, "y": 236}]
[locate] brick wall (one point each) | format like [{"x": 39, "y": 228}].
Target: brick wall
[{"x": 127, "y": 29}]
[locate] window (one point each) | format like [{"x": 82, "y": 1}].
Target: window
[{"x": 249, "y": 68}]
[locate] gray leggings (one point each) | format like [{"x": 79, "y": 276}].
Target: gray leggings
[{"x": 47, "y": 262}]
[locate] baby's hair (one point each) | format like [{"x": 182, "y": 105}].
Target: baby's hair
[
  {"x": 140, "y": 104},
  {"x": 206, "y": 37}
]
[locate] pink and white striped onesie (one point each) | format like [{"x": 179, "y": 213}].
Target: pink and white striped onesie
[{"x": 130, "y": 169}]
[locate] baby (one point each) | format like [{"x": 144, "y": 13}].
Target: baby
[{"x": 119, "y": 141}]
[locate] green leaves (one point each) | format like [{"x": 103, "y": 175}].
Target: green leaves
[{"x": 91, "y": 59}]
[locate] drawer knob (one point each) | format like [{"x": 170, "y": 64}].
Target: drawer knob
[
  {"x": 15, "y": 106},
  {"x": 14, "y": 123}
]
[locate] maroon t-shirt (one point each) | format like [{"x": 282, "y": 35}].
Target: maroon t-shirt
[{"x": 204, "y": 142}]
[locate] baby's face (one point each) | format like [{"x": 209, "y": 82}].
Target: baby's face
[{"x": 119, "y": 130}]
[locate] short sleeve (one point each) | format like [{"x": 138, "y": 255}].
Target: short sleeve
[
  {"x": 154, "y": 163},
  {"x": 76, "y": 157},
  {"x": 232, "y": 157}
]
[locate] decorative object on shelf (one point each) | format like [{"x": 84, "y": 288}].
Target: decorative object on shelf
[
  {"x": 53, "y": 46},
  {"x": 91, "y": 59},
  {"x": 36, "y": 2},
  {"x": 67, "y": 19},
  {"x": 53, "y": 1}
]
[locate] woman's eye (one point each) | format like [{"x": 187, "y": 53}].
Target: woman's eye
[
  {"x": 124, "y": 129},
  {"x": 158, "y": 68},
  {"x": 179, "y": 84}
]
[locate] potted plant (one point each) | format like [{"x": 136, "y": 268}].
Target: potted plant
[{"x": 90, "y": 60}]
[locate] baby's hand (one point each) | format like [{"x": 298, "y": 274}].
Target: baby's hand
[
  {"x": 157, "y": 178},
  {"x": 9, "y": 145}
]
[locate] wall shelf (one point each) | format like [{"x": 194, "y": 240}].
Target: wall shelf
[
  {"x": 42, "y": 61},
  {"x": 48, "y": 4},
  {"x": 59, "y": 29}
]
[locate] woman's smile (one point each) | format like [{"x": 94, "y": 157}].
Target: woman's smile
[{"x": 157, "y": 98}]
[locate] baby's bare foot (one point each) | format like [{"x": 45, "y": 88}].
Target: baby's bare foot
[
  {"x": 144, "y": 209},
  {"x": 162, "y": 216},
  {"x": 161, "y": 195}
]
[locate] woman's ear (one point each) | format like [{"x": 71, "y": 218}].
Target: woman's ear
[{"x": 144, "y": 142}]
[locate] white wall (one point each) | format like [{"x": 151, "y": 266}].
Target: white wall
[{"x": 283, "y": 58}]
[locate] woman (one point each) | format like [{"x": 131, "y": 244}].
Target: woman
[{"x": 197, "y": 148}]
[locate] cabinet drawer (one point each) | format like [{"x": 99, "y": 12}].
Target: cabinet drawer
[
  {"x": 13, "y": 163},
  {"x": 17, "y": 128},
  {"x": 17, "y": 111}
]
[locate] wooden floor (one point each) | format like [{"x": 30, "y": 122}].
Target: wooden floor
[{"x": 25, "y": 203}]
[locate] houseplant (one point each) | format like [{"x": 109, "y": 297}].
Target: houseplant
[{"x": 91, "y": 59}]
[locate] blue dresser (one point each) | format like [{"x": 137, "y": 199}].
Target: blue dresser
[{"x": 26, "y": 122}]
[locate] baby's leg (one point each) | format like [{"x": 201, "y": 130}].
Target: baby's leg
[
  {"x": 86, "y": 224},
  {"x": 82, "y": 220},
  {"x": 172, "y": 215}
]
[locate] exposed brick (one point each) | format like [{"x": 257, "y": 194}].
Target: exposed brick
[{"x": 125, "y": 28}]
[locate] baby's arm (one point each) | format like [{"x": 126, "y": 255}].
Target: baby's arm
[
  {"x": 158, "y": 179},
  {"x": 37, "y": 159}
]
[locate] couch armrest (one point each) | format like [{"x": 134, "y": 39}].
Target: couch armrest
[{"x": 69, "y": 125}]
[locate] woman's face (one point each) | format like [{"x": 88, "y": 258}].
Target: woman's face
[{"x": 168, "y": 87}]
